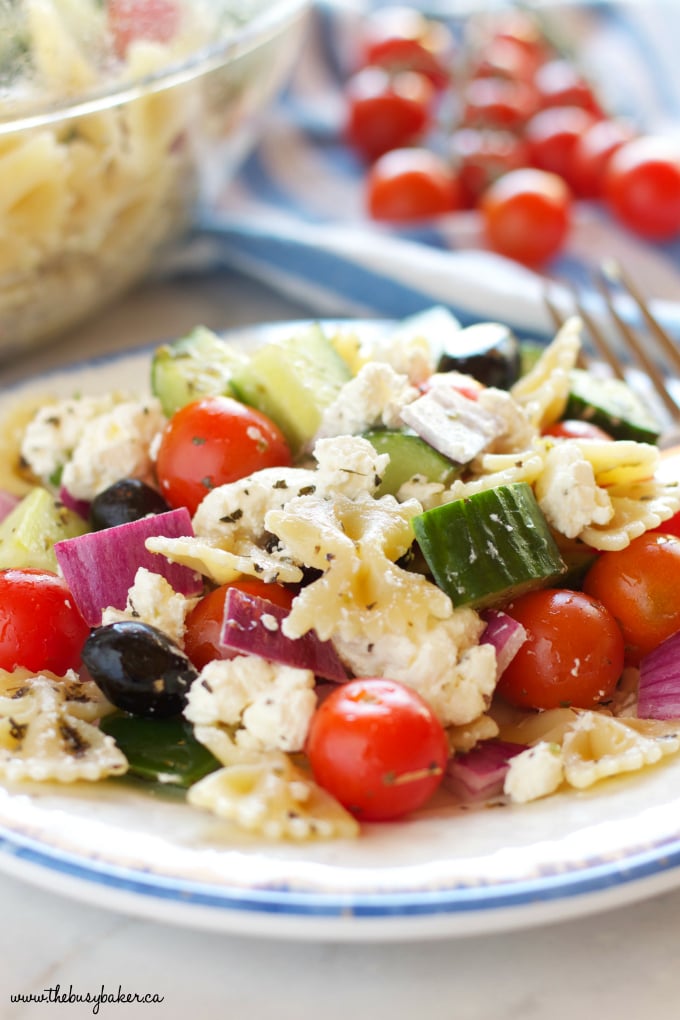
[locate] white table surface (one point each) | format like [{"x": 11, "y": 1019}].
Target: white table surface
[{"x": 621, "y": 964}]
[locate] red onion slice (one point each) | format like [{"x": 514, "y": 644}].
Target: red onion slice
[
  {"x": 479, "y": 774},
  {"x": 505, "y": 634},
  {"x": 100, "y": 566},
  {"x": 659, "y": 689},
  {"x": 253, "y": 625}
]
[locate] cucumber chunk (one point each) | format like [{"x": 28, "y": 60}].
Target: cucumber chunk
[
  {"x": 197, "y": 365},
  {"x": 30, "y": 530},
  {"x": 160, "y": 750},
  {"x": 292, "y": 381},
  {"x": 489, "y": 547},
  {"x": 409, "y": 455},
  {"x": 612, "y": 405}
]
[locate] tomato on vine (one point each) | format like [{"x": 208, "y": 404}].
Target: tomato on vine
[
  {"x": 642, "y": 186},
  {"x": 400, "y": 38},
  {"x": 386, "y": 111},
  {"x": 405, "y": 185},
  {"x": 527, "y": 215}
]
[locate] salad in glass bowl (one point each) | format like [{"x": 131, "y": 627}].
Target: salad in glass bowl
[
  {"x": 114, "y": 119},
  {"x": 323, "y": 581}
]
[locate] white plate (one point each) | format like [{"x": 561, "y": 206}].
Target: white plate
[{"x": 445, "y": 872}]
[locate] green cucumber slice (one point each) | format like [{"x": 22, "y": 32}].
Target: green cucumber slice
[
  {"x": 612, "y": 405},
  {"x": 160, "y": 750},
  {"x": 409, "y": 455},
  {"x": 30, "y": 530},
  {"x": 292, "y": 381},
  {"x": 197, "y": 365},
  {"x": 489, "y": 547}
]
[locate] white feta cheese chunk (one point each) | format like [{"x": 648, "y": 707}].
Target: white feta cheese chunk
[
  {"x": 452, "y": 423},
  {"x": 153, "y": 600},
  {"x": 374, "y": 397},
  {"x": 445, "y": 665},
  {"x": 269, "y": 704},
  {"x": 56, "y": 429},
  {"x": 568, "y": 493},
  {"x": 349, "y": 465},
  {"x": 534, "y": 773}
]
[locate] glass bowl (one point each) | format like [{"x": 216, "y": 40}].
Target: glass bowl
[{"x": 104, "y": 154}]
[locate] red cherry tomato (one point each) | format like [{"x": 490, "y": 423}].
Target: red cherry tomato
[
  {"x": 212, "y": 441},
  {"x": 504, "y": 58},
  {"x": 403, "y": 39},
  {"x": 639, "y": 585},
  {"x": 559, "y": 83},
  {"x": 526, "y": 215},
  {"x": 204, "y": 622},
  {"x": 40, "y": 626},
  {"x": 642, "y": 186},
  {"x": 574, "y": 428},
  {"x": 524, "y": 31},
  {"x": 386, "y": 111},
  {"x": 552, "y": 135},
  {"x": 481, "y": 156},
  {"x": 411, "y": 184},
  {"x": 591, "y": 154},
  {"x": 154, "y": 20},
  {"x": 497, "y": 102},
  {"x": 378, "y": 748},
  {"x": 573, "y": 654}
]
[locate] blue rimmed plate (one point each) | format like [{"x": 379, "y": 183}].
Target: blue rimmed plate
[{"x": 444, "y": 872}]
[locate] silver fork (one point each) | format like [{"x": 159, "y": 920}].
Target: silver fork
[{"x": 653, "y": 351}]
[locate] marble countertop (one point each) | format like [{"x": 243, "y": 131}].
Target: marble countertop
[{"x": 621, "y": 963}]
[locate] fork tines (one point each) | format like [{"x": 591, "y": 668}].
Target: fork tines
[{"x": 612, "y": 278}]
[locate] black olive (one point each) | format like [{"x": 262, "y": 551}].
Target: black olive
[
  {"x": 489, "y": 351},
  {"x": 138, "y": 668},
  {"x": 128, "y": 499}
]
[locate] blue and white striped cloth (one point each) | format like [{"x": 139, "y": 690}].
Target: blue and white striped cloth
[{"x": 294, "y": 216}]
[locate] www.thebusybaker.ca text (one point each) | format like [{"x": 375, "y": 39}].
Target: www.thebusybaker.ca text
[{"x": 96, "y": 999}]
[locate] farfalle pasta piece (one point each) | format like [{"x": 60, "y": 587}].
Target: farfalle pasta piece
[
  {"x": 493, "y": 469},
  {"x": 598, "y": 746},
  {"x": 544, "y": 390},
  {"x": 355, "y": 543},
  {"x": 47, "y": 730},
  {"x": 271, "y": 797},
  {"x": 221, "y": 566}
]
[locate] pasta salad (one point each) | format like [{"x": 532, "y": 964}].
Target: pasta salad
[{"x": 315, "y": 584}]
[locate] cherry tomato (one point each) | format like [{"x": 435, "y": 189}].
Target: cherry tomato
[
  {"x": 411, "y": 184},
  {"x": 212, "y": 441},
  {"x": 642, "y": 186},
  {"x": 204, "y": 622},
  {"x": 552, "y": 135},
  {"x": 591, "y": 154},
  {"x": 481, "y": 156},
  {"x": 526, "y": 215},
  {"x": 504, "y": 58},
  {"x": 559, "y": 83},
  {"x": 40, "y": 626},
  {"x": 575, "y": 428},
  {"x": 640, "y": 586},
  {"x": 386, "y": 111},
  {"x": 154, "y": 20},
  {"x": 524, "y": 31},
  {"x": 573, "y": 654},
  {"x": 403, "y": 39},
  {"x": 378, "y": 748},
  {"x": 497, "y": 102}
]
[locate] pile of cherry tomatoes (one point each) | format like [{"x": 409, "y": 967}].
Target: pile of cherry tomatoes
[{"x": 504, "y": 124}]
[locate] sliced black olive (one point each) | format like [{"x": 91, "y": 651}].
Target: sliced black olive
[
  {"x": 138, "y": 668},
  {"x": 128, "y": 499},
  {"x": 489, "y": 351}
]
